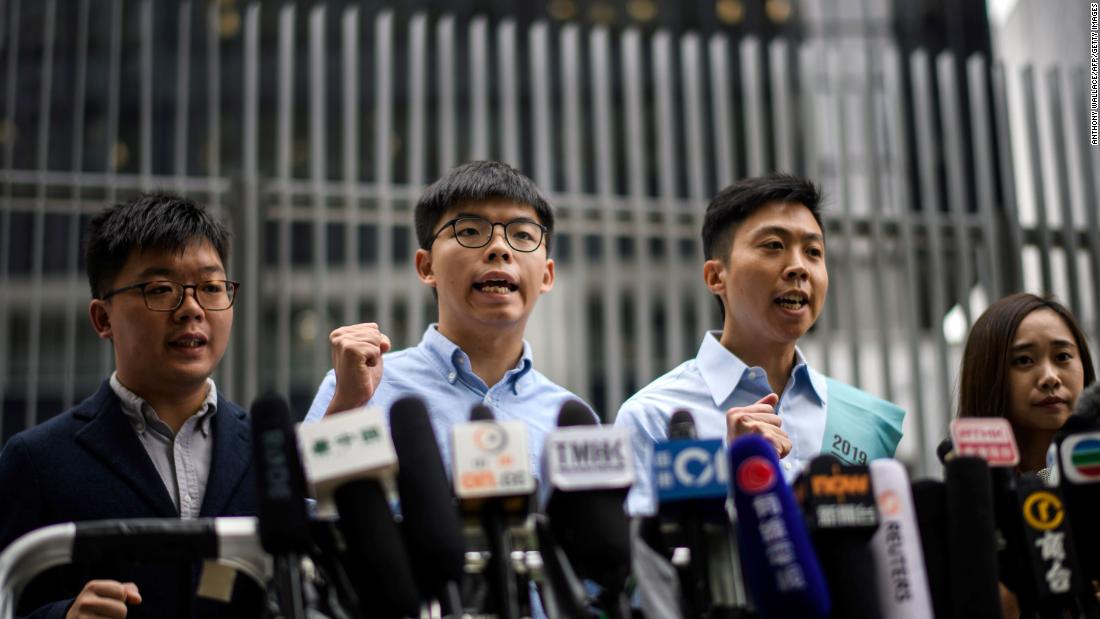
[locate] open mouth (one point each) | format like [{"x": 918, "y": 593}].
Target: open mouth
[
  {"x": 792, "y": 301},
  {"x": 188, "y": 342},
  {"x": 496, "y": 286}
]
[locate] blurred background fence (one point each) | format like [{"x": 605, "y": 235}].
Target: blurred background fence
[{"x": 954, "y": 174}]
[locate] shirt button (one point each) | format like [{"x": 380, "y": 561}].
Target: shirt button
[
  {"x": 461, "y": 360},
  {"x": 752, "y": 373},
  {"x": 787, "y": 466},
  {"x": 451, "y": 377},
  {"x": 488, "y": 399}
]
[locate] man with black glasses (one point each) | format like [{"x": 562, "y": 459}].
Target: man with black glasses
[
  {"x": 156, "y": 440},
  {"x": 484, "y": 232}
]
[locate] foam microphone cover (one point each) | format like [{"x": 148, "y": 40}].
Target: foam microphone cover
[
  {"x": 779, "y": 563},
  {"x": 380, "y": 564},
  {"x": 944, "y": 449},
  {"x": 430, "y": 521},
  {"x": 971, "y": 538},
  {"x": 930, "y": 503},
  {"x": 280, "y": 481},
  {"x": 681, "y": 426},
  {"x": 591, "y": 526},
  {"x": 1082, "y": 496},
  {"x": 480, "y": 412}
]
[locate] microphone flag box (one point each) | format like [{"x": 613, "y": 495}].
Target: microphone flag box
[
  {"x": 690, "y": 469},
  {"x": 589, "y": 458},
  {"x": 836, "y": 496},
  {"x": 349, "y": 445},
  {"x": 491, "y": 459},
  {"x": 1081, "y": 458},
  {"x": 988, "y": 438}
]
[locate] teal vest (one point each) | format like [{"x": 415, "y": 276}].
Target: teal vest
[{"x": 858, "y": 426}]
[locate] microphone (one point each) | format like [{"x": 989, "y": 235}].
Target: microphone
[
  {"x": 280, "y": 490},
  {"x": 350, "y": 463},
  {"x": 930, "y": 504},
  {"x": 1077, "y": 459},
  {"x": 839, "y": 503},
  {"x": 590, "y": 469},
  {"x": 493, "y": 480},
  {"x": 692, "y": 489},
  {"x": 899, "y": 562},
  {"x": 778, "y": 562},
  {"x": 430, "y": 524},
  {"x": 971, "y": 538}
]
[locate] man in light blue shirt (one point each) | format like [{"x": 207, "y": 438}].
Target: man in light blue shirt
[
  {"x": 765, "y": 250},
  {"x": 486, "y": 283}
]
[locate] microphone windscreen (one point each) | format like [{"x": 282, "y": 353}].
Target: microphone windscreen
[
  {"x": 574, "y": 413},
  {"x": 379, "y": 563},
  {"x": 944, "y": 449},
  {"x": 681, "y": 426},
  {"x": 930, "y": 503},
  {"x": 1088, "y": 404},
  {"x": 280, "y": 482},
  {"x": 971, "y": 539},
  {"x": 430, "y": 520},
  {"x": 480, "y": 412},
  {"x": 779, "y": 563}
]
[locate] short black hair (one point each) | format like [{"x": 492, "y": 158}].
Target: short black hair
[
  {"x": 477, "y": 181},
  {"x": 150, "y": 221},
  {"x": 736, "y": 203}
]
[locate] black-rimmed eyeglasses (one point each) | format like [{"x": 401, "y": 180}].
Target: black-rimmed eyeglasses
[
  {"x": 164, "y": 295},
  {"x": 522, "y": 235}
]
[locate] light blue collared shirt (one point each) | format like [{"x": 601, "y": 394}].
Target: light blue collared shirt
[
  {"x": 709, "y": 385},
  {"x": 438, "y": 372}
]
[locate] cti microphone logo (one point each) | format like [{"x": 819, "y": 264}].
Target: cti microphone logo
[{"x": 690, "y": 469}]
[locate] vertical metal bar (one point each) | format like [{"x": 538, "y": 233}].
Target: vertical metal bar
[
  {"x": 418, "y": 76},
  {"x": 900, "y": 192},
  {"x": 539, "y": 38},
  {"x": 1031, "y": 117},
  {"x": 353, "y": 285},
  {"x": 752, "y": 90},
  {"x": 478, "y": 43},
  {"x": 250, "y": 172},
  {"x": 722, "y": 112},
  {"x": 691, "y": 60},
  {"x": 880, "y": 256},
  {"x": 1060, "y": 142},
  {"x": 1011, "y": 217},
  {"x": 664, "y": 87},
  {"x": 922, "y": 93},
  {"x": 604, "y": 121},
  {"x": 80, "y": 56},
  {"x": 847, "y": 303},
  {"x": 1080, "y": 111},
  {"x": 227, "y": 369},
  {"x": 38, "y": 242},
  {"x": 183, "y": 93},
  {"x": 782, "y": 108},
  {"x": 114, "y": 78},
  {"x": 145, "y": 162},
  {"x": 383, "y": 168},
  {"x": 508, "y": 90},
  {"x": 283, "y": 156},
  {"x": 634, "y": 103},
  {"x": 445, "y": 84},
  {"x": 815, "y": 87},
  {"x": 574, "y": 186},
  {"x": 982, "y": 152},
  {"x": 11, "y": 79},
  {"x": 956, "y": 186},
  {"x": 318, "y": 165}
]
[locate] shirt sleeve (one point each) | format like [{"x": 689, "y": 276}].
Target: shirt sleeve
[
  {"x": 641, "y": 501},
  {"x": 323, "y": 397}
]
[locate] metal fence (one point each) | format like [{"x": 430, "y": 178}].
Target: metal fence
[{"x": 313, "y": 130}]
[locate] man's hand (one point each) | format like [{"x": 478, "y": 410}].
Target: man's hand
[
  {"x": 357, "y": 358},
  {"x": 759, "y": 418},
  {"x": 104, "y": 598}
]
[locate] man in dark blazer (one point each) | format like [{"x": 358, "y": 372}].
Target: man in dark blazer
[{"x": 156, "y": 440}]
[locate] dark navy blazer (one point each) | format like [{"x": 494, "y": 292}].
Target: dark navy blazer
[{"x": 88, "y": 464}]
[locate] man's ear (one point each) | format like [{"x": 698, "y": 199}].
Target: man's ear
[
  {"x": 714, "y": 275},
  {"x": 101, "y": 318},
  {"x": 424, "y": 268},
  {"x": 547, "y": 277}
]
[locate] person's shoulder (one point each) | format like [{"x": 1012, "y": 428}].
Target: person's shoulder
[{"x": 50, "y": 433}]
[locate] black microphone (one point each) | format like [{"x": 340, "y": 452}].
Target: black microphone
[
  {"x": 971, "y": 539},
  {"x": 281, "y": 496},
  {"x": 839, "y": 504},
  {"x": 930, "y": 504},
  {"x": 590, "y": 470},
  {"x": 430, "y": 522}
]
